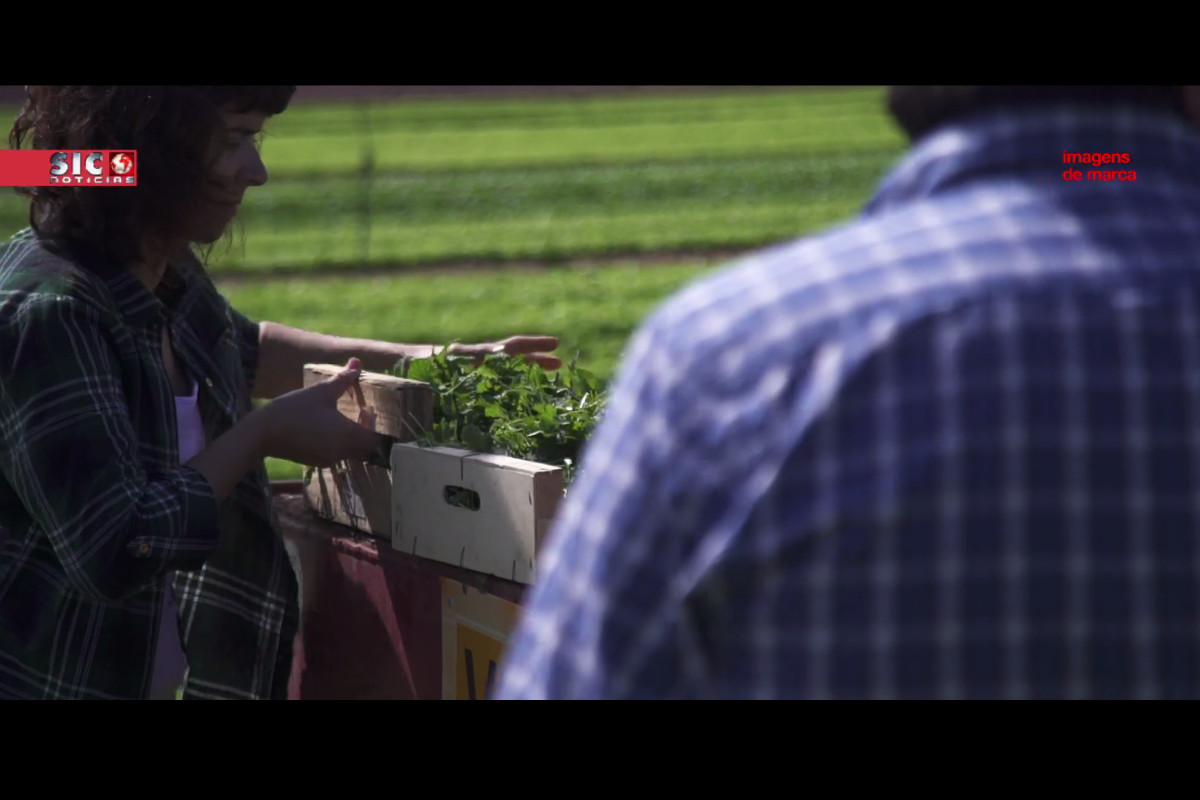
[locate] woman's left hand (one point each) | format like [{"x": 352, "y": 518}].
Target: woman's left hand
[{"x": 536, "y": 349}]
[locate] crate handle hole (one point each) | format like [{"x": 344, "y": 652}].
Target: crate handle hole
[{"x": 461, "y": 497}]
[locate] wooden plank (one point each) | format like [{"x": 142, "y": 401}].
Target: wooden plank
[
  {"x": 357, "y": 494},
  {"x": 481, "y": 512},
  {"x": 403, "y": 408},
  {"x": 475, "y": 632}
]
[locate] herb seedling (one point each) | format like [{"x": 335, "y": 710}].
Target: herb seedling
[{"x": 510, "y": 407}]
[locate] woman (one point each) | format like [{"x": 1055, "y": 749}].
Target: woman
[{"x": 136, "y": 534}]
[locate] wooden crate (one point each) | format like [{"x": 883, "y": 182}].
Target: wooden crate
[
  {"x": 414, "y": 496},
  {"x": 358, "y": 494},
  {"x": 481, "y": 512}
]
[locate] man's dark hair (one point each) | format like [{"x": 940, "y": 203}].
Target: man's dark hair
[
  {"x": 176, "y": 131},
  {"x": 920, "y": 109}
]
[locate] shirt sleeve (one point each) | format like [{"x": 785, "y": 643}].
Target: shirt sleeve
[
  {"x": 71, "y": 454},
  {"x": 246, "y": 332},
  {"x": 607, "y": 617}
]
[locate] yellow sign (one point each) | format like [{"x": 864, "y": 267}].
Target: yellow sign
[
  {"x": 475, "y": 629},
  {"x": 478, "y": 657}
]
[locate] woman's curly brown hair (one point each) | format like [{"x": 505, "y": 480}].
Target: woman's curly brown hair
[{"x": 176, "y": 131}]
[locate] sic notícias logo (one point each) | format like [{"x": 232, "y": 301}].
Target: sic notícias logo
[{"x": 94, "y": 168}]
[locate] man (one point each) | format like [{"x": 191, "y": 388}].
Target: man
[{"x": 950, "y": 450}]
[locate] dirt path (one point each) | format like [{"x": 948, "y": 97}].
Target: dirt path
[{"x": 709, "y": 257}]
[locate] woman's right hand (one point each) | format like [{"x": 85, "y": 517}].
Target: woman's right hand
[{"x": 306, "y": 427}]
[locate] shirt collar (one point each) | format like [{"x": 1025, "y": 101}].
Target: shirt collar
[
  {"x": 136, "y": 303},
  {"x": 1029, "y": 145}
]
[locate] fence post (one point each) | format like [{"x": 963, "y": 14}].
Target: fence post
[{"x": 367, "y": 178}]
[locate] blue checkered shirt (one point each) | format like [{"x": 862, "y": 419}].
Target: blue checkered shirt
[{"x": 948, "y": 450}]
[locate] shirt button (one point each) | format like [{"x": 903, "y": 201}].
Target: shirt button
[
  {"x": 143, "y": 549},
  {"x": 208, "y": 382}
]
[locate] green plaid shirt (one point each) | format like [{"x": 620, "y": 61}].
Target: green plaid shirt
[{"x": 95, "y": 509}]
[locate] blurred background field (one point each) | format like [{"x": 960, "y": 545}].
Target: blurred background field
[{"x": 608, "y": 202}]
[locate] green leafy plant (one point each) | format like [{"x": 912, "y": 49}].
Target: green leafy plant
[{"x": 510, "y": 407}]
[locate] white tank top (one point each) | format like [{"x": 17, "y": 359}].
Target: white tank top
[{"x": 170, "y": 663}]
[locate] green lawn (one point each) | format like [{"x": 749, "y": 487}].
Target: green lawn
[
  {"x": 547, "y": 235},
  {"x": 593, "y": 311},
  {"x": 538, "y": 145},
  {"x": 534, "y": 113},
  {"x": 452, "y": 134},
  {"x": 553, "y": 179}
]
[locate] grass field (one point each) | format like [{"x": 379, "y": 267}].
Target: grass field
[
  {"x": 393, "y": 185},
  {"x": 422, "y": 135},
  {"x": 552, "y": 179}
]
